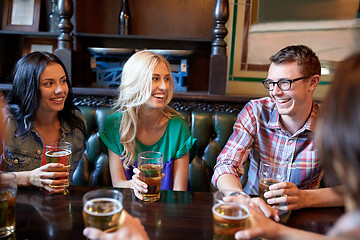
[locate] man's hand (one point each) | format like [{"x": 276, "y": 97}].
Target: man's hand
[
  {"x": 131, "y": 228},
  {"x": 285, "y": 196}
]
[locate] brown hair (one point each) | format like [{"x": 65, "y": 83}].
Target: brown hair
[
  {"x": 306, "y": 59},
  {"x": 338, "y": 129}
]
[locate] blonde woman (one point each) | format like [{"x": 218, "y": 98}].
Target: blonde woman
[{"x": 145, "y": 122}]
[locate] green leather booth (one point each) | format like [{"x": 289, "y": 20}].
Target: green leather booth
[{"x": 212, "y": 129}]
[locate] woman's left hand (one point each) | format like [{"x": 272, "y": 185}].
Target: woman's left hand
[
  {"x": 45, "y": 175},
  {"x": 137, "y": 184}
]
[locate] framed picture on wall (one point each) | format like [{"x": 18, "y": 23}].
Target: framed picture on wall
[
  {"x": 21, "y": 15},
  {"x": 39, "y": 44}
]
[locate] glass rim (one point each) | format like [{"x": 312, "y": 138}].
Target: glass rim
[
  {"x": 274, "y": 163},
  {"x": 58, "y": 144},
  {"x": 8, "y": 173},
  {"x": 151, "y": 152},
  {"x": 115, "y": 191},
  {"x": 8, "y": 179},
  {"x": 229, "y": 193}
]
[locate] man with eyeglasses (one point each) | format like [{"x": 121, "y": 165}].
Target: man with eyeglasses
[{"x": 280, "y": 128}]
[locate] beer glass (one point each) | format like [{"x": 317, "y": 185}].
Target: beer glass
[
  {"x": 271, "y": 173},
  {"x": 230, "y": 213},
  {"x": 151, "y": 165},
  {"x": 59, "y": 152},
  {"x": 8, "y": 190},
  {"x": 102, "y": 209}
]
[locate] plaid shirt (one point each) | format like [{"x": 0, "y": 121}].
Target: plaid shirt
[{"x": 258, "y": 131}]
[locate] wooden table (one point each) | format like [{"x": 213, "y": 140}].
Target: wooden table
[{"x": 178, "y": 215}]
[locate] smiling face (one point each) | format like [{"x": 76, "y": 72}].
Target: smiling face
[
  {"x": 160, "y": 87},
  {"x": 53, "y": 88},
  {"x": 297, "y": 101}
]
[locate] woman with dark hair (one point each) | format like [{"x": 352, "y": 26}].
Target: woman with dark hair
[
  {"x": 42, "y": 111},
  {"x": 337, "y": 136}
]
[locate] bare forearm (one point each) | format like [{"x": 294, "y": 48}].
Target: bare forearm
[
  {"x": 268, "y": 229},
  {"x": 228, "y": 182},
  {"x": 324, "y": 197},
  {"x": 287, "y": 233},
  {"x": 181, "y": 182},
  {"x": 117, "y": 172},
  {"x": 121, "y": 183},
  {"x": 181, "y": 173}
]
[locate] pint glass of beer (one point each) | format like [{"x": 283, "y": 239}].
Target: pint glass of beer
[
  {"x": 230, "y": 213},
  {"x": 151, "y": 165},
  {"x": 8, "y": 190},
  {"x": 59, "y": 152},
  {"x": 271, "y": 173},
  {"x": 102, "y": 209}
]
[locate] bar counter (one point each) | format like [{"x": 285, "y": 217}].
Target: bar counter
[{"x": 178, "y": 215}]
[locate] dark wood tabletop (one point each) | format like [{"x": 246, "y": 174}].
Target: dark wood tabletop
[{"x": 177, "y": 215}]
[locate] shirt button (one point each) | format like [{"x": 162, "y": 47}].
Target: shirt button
[
  {"x": 16, "y": 161},
  {"x": 38, "y": 151}
]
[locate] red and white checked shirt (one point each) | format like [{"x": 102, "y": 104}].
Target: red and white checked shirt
[{"x": 258, "y": 130}]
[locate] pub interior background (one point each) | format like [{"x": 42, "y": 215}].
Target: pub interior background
[{"x": 218, "y": 49}]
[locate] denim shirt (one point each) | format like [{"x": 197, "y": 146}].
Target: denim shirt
[{"x": 25, "y": 153}]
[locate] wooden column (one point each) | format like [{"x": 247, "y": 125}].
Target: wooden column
[
  {"x": 65, "y": 40},
  {"x": 218, "y": 59}
]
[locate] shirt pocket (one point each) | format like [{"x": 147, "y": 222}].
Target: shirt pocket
[{"x": 20, "y": 160}]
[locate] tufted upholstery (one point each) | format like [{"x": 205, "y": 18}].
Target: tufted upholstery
[{"x": 212, "y": 129}]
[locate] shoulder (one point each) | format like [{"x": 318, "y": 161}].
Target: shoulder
[
  {"x": 265, "y": 102},
  {"x": 177, "y": 125},
  {"x": 112, "y": 122},
  {"x": 12, "y": 124},
  {"x": 260, "y": 106},
  {"x": 114, "y": 118}
]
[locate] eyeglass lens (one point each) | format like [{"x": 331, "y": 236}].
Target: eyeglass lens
[{"x": 283, "y": 85}]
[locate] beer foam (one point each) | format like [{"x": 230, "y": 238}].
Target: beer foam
[
  {"x": 61, "y": 153},
  {"x": 117, "y": 206},
  {"x": 238, "y": 217}
]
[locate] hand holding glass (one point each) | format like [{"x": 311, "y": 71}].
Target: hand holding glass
[
  {"x": 59, "y": 152},
  {"x": 151, "y": 166},
  {"x": 230, "y": 213},
  {"x": 102, "y": 209},
  {"x": 269, "y": 174}
]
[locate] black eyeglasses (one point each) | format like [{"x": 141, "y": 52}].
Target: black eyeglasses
[{"x": 283, "y": 84}]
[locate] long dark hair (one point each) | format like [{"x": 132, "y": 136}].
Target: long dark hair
[
  {"x": 338, "y": 131},
  {"x": 24, "y": 97}
]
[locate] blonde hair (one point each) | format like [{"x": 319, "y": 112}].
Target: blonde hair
[{"x": 135, "y": 90}]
